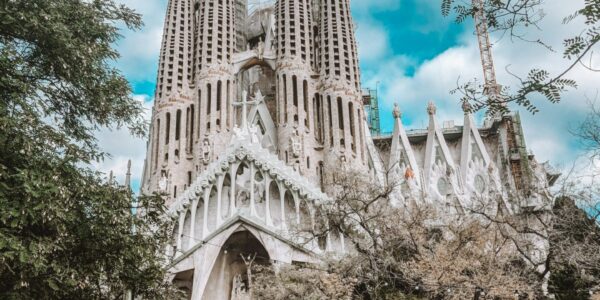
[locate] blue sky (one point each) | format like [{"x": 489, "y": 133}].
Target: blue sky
[{"x": 416, "y": 55}]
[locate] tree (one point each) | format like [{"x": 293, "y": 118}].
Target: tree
[
  {"x": 65, "y": 231},
  {"x": 507, "y": 16},
  {"x": 408, "y": 252},
  {"x": 575, "y": 241}
]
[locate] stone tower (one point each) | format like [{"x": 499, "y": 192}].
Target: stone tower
[
  {"x": 167, "y": 160},
  {"x": 299, "y": 55},
  {"x": 295, "y": 85},
  {"x": 215, "y": 44},
  {"x": 339, "y": 83}
]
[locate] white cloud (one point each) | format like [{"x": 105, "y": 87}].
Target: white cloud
[
  {"x": 547, "y": 133},
  {"x": 122, "y": 146},
  {"x": 373, "y": 41},
  {"x": 140, "y": 49}
]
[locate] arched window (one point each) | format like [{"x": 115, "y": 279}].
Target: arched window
[
  {"x": 305, "y": 95},
  {"x": 285, "y": 100},
  {"x": 178, "y": 125},
  {"x": 156, "y": 143},
  {"x": 330, "y": 115},
  {"x": 208, "y": 99},
  {"x": 187, "y": 122},
  {"x": 168, "y": 130},
  {"x": 340, "y": 111},
  {"x": 199, "y": 110},
  {"x": 351, "y": 125},
  {"x": 228, "y": 102},
  {"x": 192, "y": 126},
  {"x": 219, "y": 94},
  {"x": 295, "y": 90},
  {"x": 361, "y": 132}
]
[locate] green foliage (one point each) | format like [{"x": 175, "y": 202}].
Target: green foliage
[
  {"x": 65, "y": 232},
  {"x": 574, "y": 243},
  {"x": 566, "y": 284}
]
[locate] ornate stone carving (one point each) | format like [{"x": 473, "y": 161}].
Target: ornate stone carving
[
  {"x": 296, "y": 144},
  {"x": 397, "y": 113},
  {"x": 206, "y": 152}
]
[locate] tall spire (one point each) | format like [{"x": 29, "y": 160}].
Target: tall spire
[
  {"x": 402, "y": 157},
  {"x": 174, "y": 69},
  {"x": 128, "y": 175}
]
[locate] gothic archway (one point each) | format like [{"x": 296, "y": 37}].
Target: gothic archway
[{"x": 229, "y": 277}]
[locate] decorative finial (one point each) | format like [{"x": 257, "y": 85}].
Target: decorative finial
[
  {"x": 431, "y": 108},
  {"x": 128, "y": 175},
  {"x": 466, "y": 106},
  {"x": 397, "y": 113}
]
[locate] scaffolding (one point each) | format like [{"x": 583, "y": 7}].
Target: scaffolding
[{"x": 371, "y": 104}]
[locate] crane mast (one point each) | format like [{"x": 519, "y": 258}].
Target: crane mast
[
  {"x": 491, "y": 87},
  {"x": 515, "y": 151}
]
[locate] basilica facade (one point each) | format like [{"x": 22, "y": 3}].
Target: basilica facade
[{"x": 254, "y": 105}]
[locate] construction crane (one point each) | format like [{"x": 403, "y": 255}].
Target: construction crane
[
  {"x": 516, "y": 153},
  {"x": 491, "y": 87}
]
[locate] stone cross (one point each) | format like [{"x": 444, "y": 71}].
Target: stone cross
[
  {"x": 258, "y": 98},
  {"x": 244, "y": 104}
]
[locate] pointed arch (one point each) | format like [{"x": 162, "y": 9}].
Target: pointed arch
[
  {"x": 229, "y": 263},
  {"x": 199, "y": 221},
  {"x": 226, "y": 197},
  {"x": 212, "y": 210},
  {"x": 242, "y": 187},
  {"x": 260, "y": 203},
  {"x": 275, "y": 202},
  {"x": 289, "y": 208},
  {"x": 186, "y": 238}
]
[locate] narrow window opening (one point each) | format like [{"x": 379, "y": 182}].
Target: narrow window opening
[
  {"x": 305, "y": 95},
  {"x": 178, "y": 125},
  {"x": 285, "y": 100},
  {"x": 228, "y": 103},
  {"x": 192, "y": 126},
  {"x": 340, "y": 111},
  {"x": 295, "y": 89},
  {"x": 208, "y": 99},
  {"x": 330, "y": 114},
  {"x": 168, "y": 130},
  {"x": 156, "y": 143},
  {"x": 219, "y": 94}
]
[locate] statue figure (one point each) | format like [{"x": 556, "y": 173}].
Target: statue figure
[
  {"x": 397, "y": 113},
  {"x": 261, "y": 49},
  {"x": 206, "y": 151},
  {"x": 163, "y": 182},
  {"x": 253, "y": 134},
  {"x": 295, "y": 144},
  {"x": 238, "y": 288}
]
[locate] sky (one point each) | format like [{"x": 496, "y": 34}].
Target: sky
[{"x": 413, "y": 55}]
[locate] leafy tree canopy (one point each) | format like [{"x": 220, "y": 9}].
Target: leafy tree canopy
[{"x": 65, "y": 232}]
